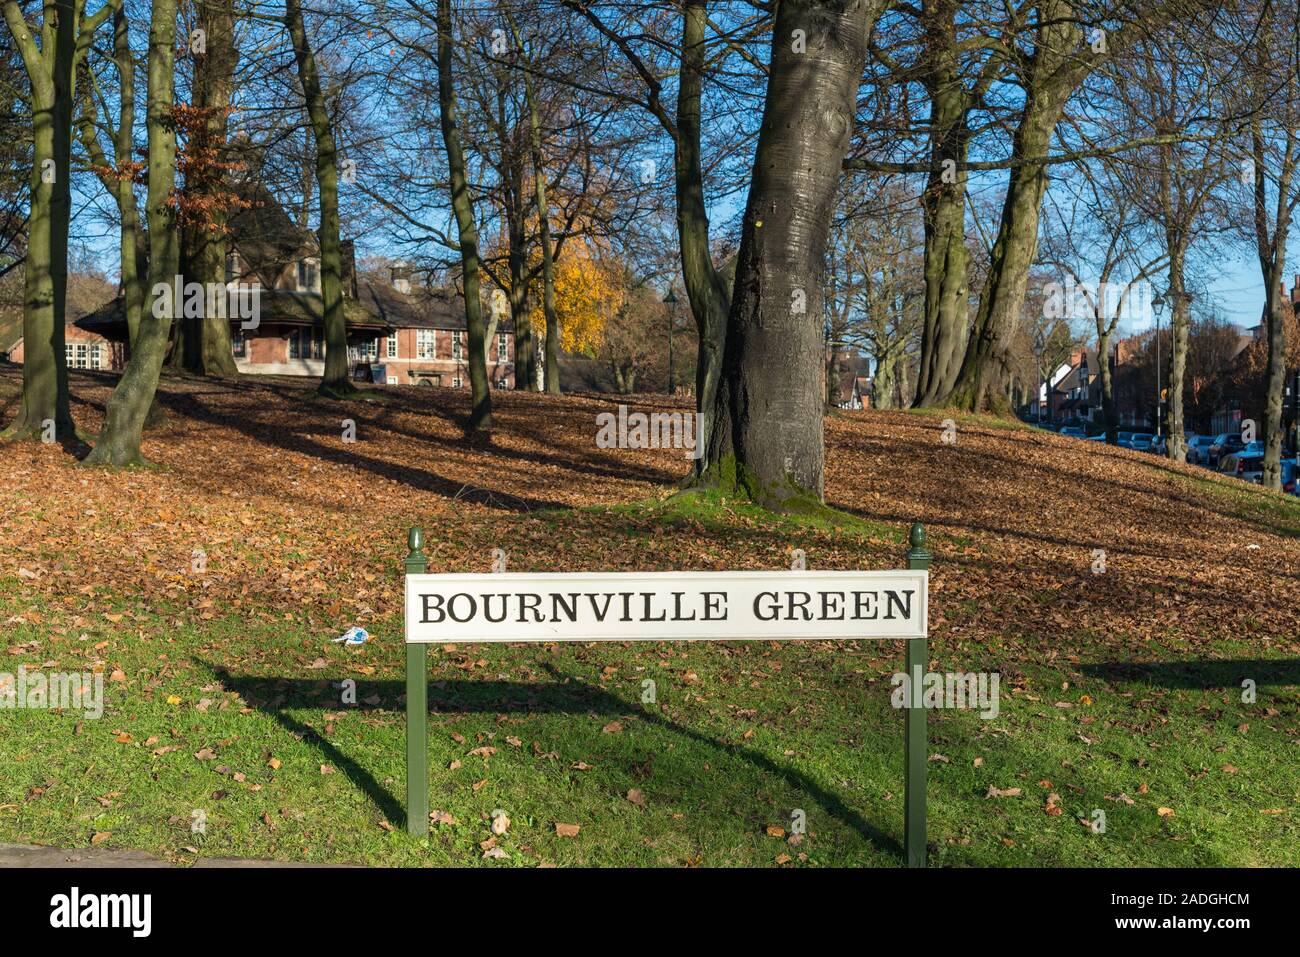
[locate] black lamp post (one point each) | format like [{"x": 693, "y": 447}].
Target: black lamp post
[{"x": 671, "y": 302}]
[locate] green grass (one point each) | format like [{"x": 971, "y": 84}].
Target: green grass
[{"x": 741, "y": 735}]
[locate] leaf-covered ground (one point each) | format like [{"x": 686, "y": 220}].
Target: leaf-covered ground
[{"x": 1121, "y": 600}]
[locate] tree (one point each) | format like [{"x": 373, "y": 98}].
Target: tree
[
  {"x": 119, "y": 173},
  {"x": 706, "y": 288},
  {"x": 767, "y": 440},
  {"x": 586, "y": 291},
  {"x": 119, "y": 440},
  {"x": 51, "y": 68},
  {"x": 334, "y": 382},
  {"x": 1274, "y": 155},
  {"x": 462, "y": 203},
  {"x": 202, "y": 343}
]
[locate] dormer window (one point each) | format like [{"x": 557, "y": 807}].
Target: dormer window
[{"x": 308, "y": 276}]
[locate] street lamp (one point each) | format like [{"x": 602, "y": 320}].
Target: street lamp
[{"x": 671, "y": 302}]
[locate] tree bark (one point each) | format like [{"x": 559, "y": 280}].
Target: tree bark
[
  {"x": 768, "y": 439},
  {"x": 552, "y": 364},
  {"x": 51, "y": 71},
  {"x": 463, "y": 206},
  {"x": 985, "y": 362},
  {"x": 943, "y": 206},
  {"x": 335, "y": 381},
  {"x": 1177, "y": 439},
  {"x": 203, "y": 344},
  {"x": 705, "y": 288},
  {"x": 128, "y": 407}
]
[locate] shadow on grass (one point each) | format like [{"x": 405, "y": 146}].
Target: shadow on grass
[
  {"x": 1200, "y": 675},
  {"x": 275, "y": 696}
]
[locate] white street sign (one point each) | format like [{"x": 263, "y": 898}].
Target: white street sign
[{"x": 599, "y": 606}]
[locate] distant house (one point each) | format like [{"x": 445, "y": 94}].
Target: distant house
[
  {"x": 851, "y": 379},
  {"x": 396, "y": 334},
  {"x": 1077, "y": 393},
  {"x": 83, "y": 349},
  {"x": 427, "y": 342}
]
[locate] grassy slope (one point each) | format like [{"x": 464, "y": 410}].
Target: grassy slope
[{"x": 1116, "y": 687}]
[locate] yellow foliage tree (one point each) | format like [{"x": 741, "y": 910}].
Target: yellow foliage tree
[{"x": 588, "y": 291}]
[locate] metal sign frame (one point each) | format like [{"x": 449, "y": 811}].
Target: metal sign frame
[{"x": 417, "y": 662}]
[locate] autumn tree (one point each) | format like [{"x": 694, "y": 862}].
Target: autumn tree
[
  {"x": 51, "y": 68},
  {"x": 119, "y": 440}
]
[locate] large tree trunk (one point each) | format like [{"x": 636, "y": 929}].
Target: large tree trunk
[
  {"x": 1275, "y": 379},
  {"x": 115, "y": 176},
  {"x": 706, "y": 290},
  {"x": 335, "y": 381},
  {"x": 1109, "y": 410},
  {"x": 128, "y": 407},
  {"x": 979, "y": 383},
  {"x": 552, "y": 364},
  {"x": 134, "y": 255},
  {"x": 51, "y": 72},
  {"x": 768, "y": 435},
  {"x": 1177, "y": 440},
  {"x": 463, "y": 206},
  {"x": 526, "y": 359},
  {"x": 943, "y": 205},
  {"x": 203, "y": 345}
]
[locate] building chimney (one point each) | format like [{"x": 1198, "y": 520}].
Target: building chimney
[
  {"x": 401, "y": 277},
  {"x": 1295, "y": 289},
  {"x": 348, "y": 267}
]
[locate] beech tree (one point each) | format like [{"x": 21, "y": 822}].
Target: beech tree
[
  {"x": 335, "y": 381},
  {"x": 51, "y": 67},
  {"x": 119, "y": 440},
  {"x": 202, "y": 344},
  {"x": 767, "y": 441},
  {"x": 462, "y": 203}
]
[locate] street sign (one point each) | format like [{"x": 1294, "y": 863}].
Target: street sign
[
  {"x": 661, "y": 606},
  {"x": 629, "y": 606}
]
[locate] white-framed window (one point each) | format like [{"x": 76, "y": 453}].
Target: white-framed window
[
  {"x": 455, "y": 383},
  {"x": 368, "y": 351},
  {"x": 501, "y": 384},
  {"x": 308, "y": 276},
  {"x": 392, "y": 380},
  {"x": 391, "y": 352},
  {"x": 501, "y": 347},
  {"x": 77, "y": 355},
  {"x": 424, "y": 344},
  {"x": 96, "y": 357},
  {"x": 456, "y": 347}
]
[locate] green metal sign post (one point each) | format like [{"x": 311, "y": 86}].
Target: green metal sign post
[{"x": 417, "y": 692}]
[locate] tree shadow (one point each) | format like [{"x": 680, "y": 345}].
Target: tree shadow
[
  {"x": 1218, "y": 675},
  {"x": 566, "y": 694}
]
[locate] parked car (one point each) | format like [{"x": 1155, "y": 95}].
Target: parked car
[
  {"x": 1225, "y": 443},
  {"x": 1099, "y": 437},
  {"x": 1198, "y": 449},
  {"x": 1141, "y": 441},
  {"x": 1077, "y": 431},
  {"x": 1122, "y": 439},
  {"x": 1250, "y": 468},
  {"x": 1159, "y": 445}
]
